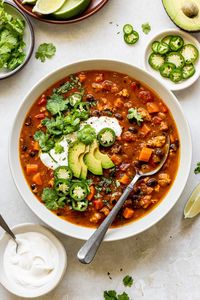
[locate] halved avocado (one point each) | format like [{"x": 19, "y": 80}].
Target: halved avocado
[
  {"x": 106, "y": 162},
  {"x": 184, "y": 13},
  {"x": 93, "y": 164},
  {"x": 75, "y": 150},
  {"x": 84, "y": 168}
]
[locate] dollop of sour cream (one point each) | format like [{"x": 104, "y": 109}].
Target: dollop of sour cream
[
  {"x": 54, "y": 160},
  {"x": 35, "y": 262}
]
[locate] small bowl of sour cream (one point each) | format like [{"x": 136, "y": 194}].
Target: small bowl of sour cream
[{"x": 38, "y": 265}]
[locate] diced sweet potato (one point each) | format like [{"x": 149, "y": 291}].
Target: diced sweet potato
[
  {"x": 145, "y": 129},
  {"x": 152, "y": 107},
  {"x": 37, "y": 179},
  {"x": 31, "y": 169},
  {"x": 145, "y": 154},
  {"x": 128, "y": 213}
]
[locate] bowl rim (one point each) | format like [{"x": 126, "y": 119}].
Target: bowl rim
[
  {"x": 184, "y": 84},
  {"x": 152, "y": 221},
  {"x": 35, "y": 227},
  {"x": 62, "y": 22},
  {"x": 32, "y": 44}
]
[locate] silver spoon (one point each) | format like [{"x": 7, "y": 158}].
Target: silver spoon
[
  {"x": 5, "y": 226},
  {"x": 89, "y": 249}
]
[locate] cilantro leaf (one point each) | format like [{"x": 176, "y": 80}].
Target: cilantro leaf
[
  {"x": 197, "y": 169},
  {"x": 45, "y": 51},
  {"x": 134, "y": 115},
  {"x": 56, "y": 104},
  {"x": 58, "y": 148},
  {"x": 87, "y": 135},
  {"x": 51, "y": 199},
  {"x": 128, "y": 281},
  {"x": 110, "y": 295},
  {"x": 123, "y": 296},
  {"x": 46, "y": 143},
  {"x": 146, "y": 28}
]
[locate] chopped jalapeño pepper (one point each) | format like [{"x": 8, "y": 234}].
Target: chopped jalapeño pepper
[
  {"x": 75, "y": 98},
  {"x": 62, "y": 187},
  {"x": 63, "y": 172},
  {"x": 78, "y": 191},
  {"x": 106, "y": 137},
  {"x": 131, "y": 38},
  {"x": 80, "y": 205},
  {"x": 128, "y": 29}
]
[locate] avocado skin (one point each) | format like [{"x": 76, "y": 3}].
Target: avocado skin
[
  {"x": 186, "y": 30},
  {"x": 75, "y": 150}
]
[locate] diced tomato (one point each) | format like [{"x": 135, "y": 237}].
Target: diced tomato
[
  {"x": 40, "y": 116},
  {"x": 92, "y": 193},
  {"x": 43, "y": 100},
  {"x": 98, "y": 204},
  {"x": 37, "y": 179},
  {"x": 128, "y": 213},
  {"x": 31, "y": 168},
  {"x": 146, "y": 96},
  {"x": 134, "y": 85}
]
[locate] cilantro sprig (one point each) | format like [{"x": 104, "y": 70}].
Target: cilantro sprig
[
  {"x": 134, "y": 115},
  {"x": 112, "y": 295},
  {"x": 146, "y": 28},
  {"x": 45, "y": 51},
  {"x": 12, "y": 46}
]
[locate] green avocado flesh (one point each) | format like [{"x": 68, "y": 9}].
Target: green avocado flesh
[
  {"x": 75, "y": 152},
  {"x": 93, "y": 164},
  {"x": 184, "y": 13},
  {"x": 71, "y": 8}
]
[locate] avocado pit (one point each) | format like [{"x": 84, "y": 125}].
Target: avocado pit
[{"x": 190, "y": 10}]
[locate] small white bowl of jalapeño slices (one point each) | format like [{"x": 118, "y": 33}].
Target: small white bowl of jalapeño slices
[{"x": 172, "y": 56}]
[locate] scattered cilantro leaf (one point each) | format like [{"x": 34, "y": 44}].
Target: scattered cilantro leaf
[
  {"x": 87, "y": 135},
  {"x": 134, "y": 115},
  {"x": 110, "y": 295},
  {"x": 56, "y": 104},
  {"x": 46, "y": 143},
  {"x": 197, "y": 169},
  {"x": 58, "y": 148},
  {"x": 146, "y": 28},
  {"x": 45, "y": 51},
  {"x": 123, "y": 296},
  {"x": 128, "y": 281},
  {"x": 51, "y": 199}
]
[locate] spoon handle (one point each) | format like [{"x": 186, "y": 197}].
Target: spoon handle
[
  {"x": 4, "y": 225},
  {"x": 89, "y": 249}
]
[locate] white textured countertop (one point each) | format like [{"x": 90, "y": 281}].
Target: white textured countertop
[{"x": 165, "y": 260}]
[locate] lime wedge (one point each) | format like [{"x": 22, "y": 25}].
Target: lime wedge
[
  {"x": 46, "y": 7},
  {"x": 29, "y": 2},
  {"x": 71, "y": 8},
  {"x": 192, "y": 207}
]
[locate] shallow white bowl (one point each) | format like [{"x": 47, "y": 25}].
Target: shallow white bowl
[
  {"x": 7, "y": 283},
  {"x": 188, "y": 38},
  {"x": 29, "y": 38},
  {"x": 135, "y": 227}
]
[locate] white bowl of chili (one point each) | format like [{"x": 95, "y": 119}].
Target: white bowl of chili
[{"x": 143, "y": 80}]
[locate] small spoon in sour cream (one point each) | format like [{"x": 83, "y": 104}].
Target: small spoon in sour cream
[{"x": 5, "y": 226}]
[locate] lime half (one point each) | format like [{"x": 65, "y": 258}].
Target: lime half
[
  {"x": 46, "y": 7},
  {"x": 71, "y": 8},
  {"x": 29, "y": 2},
  {"x": 192, "y": 207}
]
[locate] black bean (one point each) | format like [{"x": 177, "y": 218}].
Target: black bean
[
  {"x": 96, "y": 113},
  {"x": 133, "y": 129},
  {"x": 24, "y": 148},
  {"x": 118, "y": 116},
  {"x": 134, "y": 197},
  {"x": 28, "y": 121},
  {"x": 33, "y": 186},
  {"x": 159, "y": 152},
  {"x": 32, "y": 154},
  {"x": 173, "y": 147},
  {"x": 137, "y": 164},
  {"x": 90, "y": 98},
  {"x": 152, "y": 182}
]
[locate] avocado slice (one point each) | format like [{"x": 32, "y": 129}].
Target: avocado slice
[
  {"x": 106, "y": 162},
  {"x": 84, "y": 168},
  {"x": 184, "y": 13},
  {"x": 75, "y": 150},
  {"x": 93, "y": 164}
]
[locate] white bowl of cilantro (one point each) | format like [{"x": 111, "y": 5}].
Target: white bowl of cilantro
[
  {"x": 16, "y": 39},
  {"x": 172, "y": 56}
]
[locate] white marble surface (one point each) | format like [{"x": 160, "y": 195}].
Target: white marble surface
[{"x": 165, "y": 260}]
